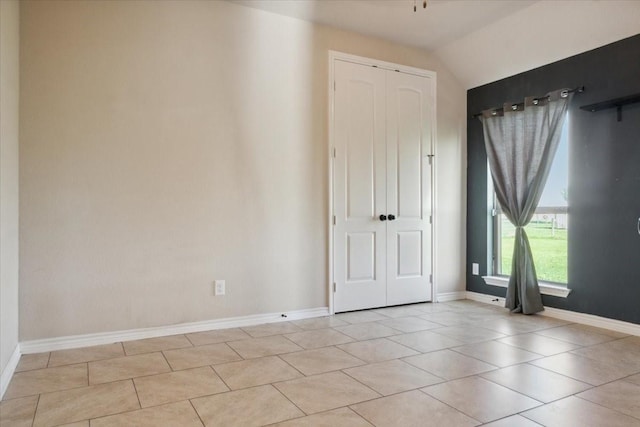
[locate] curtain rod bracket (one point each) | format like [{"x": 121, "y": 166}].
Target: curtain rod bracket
[{"x": 535, "y": 101}]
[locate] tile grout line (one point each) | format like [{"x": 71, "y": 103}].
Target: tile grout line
[
  {"x": 162, "y": 404},
  {"x": 605, "y": 407},
  {"x": 217, "y": 374},
  {"x": 365, "y": 385},
  {"x": 189, "y": 339},
  {"x": 438, "y": 400},
  {"x": 476, "y": 358},
  {"x": 325, "y": 372},
  {"x": 196, "y": 411},
  {"x": 49, "y": 392},
  {"x": 533, "y": 398},
  {"x": 317, "y": 413},
  {"x": 563, "y": 375},
  {"x": 33, "y": 420},
  {"x": 136, "y": 391},
  {"x": 115, "y": 413},
  {"x": 289, "y": 364},
  {"x": 452, "y": 407},
  {"x": 572, "y": 342},
  {"x": 128, "y": 411},
  {"x": 164, "y": 356},
  {"x": 445, "y": 380},
  {"x": 531, "y": 351},
  {"x": 513, "y": 364},
  {"x": 521, "y": 413},
  {"x": 289, "y": 339},
  {"x": 234, "y": 350},
  {"x": 273, "y": 385}
]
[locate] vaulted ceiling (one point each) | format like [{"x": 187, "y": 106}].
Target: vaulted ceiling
[
  {"x": 479, "y": 40},
  {"x": 441, "y": 23}
]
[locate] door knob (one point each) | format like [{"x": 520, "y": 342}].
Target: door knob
[
  {"x": 383, "y": 217},
  {"x": 392, "y": 217}
]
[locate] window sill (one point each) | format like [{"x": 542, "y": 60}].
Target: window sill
[{"x": 546, "y": 288}]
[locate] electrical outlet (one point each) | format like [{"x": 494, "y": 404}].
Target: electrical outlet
[
  {"x": 220, "y": 287},
  {"x": 475, "y": 269}
]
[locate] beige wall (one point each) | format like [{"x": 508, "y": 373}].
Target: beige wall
[
  {"x": 9, "y": 87},
  {"x": 168, "y": 144}
]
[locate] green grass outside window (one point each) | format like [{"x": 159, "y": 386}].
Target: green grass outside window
[{"x": 549, "y": 247}]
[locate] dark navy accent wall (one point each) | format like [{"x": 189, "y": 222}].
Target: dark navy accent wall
[{"x": 604, "y": 179}]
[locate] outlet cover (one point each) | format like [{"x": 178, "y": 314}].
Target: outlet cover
[
  {"x": 475, "y": 269},
  {"x": 220, "y": 287}
]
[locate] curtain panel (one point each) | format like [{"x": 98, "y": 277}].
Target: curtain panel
[{"x": 521, "y": 141}]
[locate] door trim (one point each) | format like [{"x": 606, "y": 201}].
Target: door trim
[{"x": 334, "y": 56}]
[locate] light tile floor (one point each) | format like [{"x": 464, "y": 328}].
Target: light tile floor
[{"x": 459, "y": 363}]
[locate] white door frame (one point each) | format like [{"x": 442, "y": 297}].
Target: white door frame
[{"x": 333, "y": 56}]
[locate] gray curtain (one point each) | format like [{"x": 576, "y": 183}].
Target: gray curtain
[{"x": 521, "y": 142}]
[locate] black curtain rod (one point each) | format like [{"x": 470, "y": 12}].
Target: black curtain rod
[{"x": 578, "y": 89}]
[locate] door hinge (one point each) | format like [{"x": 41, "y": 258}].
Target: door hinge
[
  {"x": 430, "y": 219},
  {"x": 334, "y": 286},
  {"x": 431, "y": 278},
  {"x": 334, "y": 152},
  {"x": 334, "y": 85},
  {"x": 334, "y": 220},
  {"x": 430, "y": 156}
]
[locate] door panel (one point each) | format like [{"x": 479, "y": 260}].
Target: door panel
[
  {"x": 409, "y": 152},
  {"x": 361, "y": 257},
  {"x": 360, "y": 149},
  {"x": 409, "y": 258},
  {"x": 408, "y": 189},
  {"x": 359, "y": 187}
]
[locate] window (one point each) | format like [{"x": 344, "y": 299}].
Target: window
[{"x": 548, "y": 228}]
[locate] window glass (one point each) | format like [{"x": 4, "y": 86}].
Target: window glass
[{"x": 548, "y": 228}]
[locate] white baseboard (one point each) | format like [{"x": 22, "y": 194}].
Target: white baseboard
[
  {"x": 592, "y": 320},
  {"x": 451, "y": 296},
  {"x": 570, "y": 316},
  {"x": 7, "y": 372},
  {"x": 488, "y": 299},
  {"x": 76, "y": 341}
]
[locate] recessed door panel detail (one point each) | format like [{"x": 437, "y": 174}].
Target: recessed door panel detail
[
  {"x": 361, "y": 261},
  {"x": 409, "y": 153},
  {"x": 409, "y": 258},
  {"x": 360, "y": 167}
]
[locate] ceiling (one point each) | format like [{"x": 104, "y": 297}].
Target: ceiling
[
  {"x": 442, "y": 22},
  {"x": 480, "y": 41}
]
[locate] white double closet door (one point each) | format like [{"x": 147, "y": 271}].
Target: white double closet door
[{"x": 382, "y": 187}]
